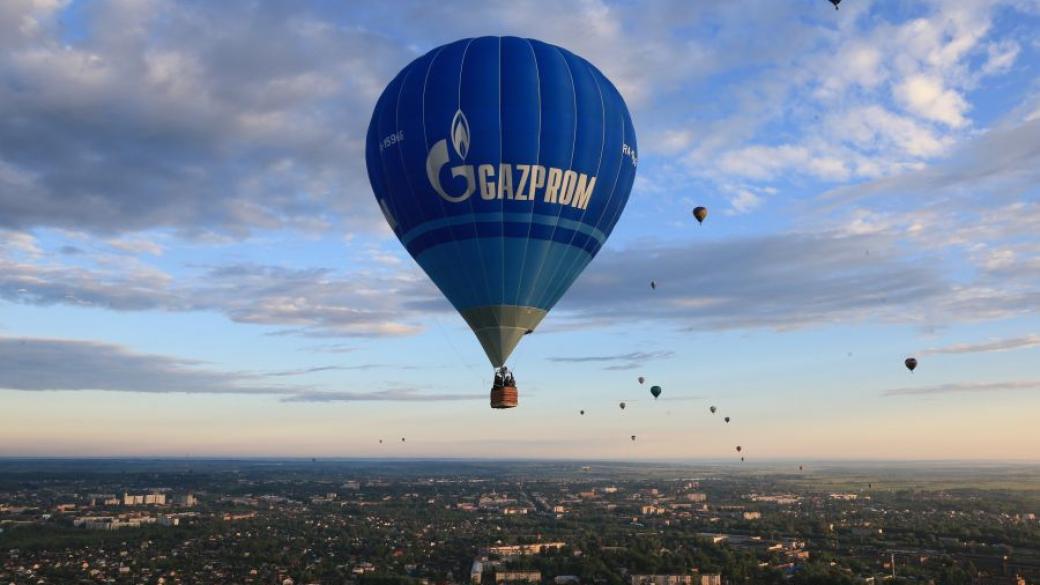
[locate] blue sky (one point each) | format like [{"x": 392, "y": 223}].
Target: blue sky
[{"x": 192, "y": 262}]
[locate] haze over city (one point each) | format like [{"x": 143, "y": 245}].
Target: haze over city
[{"x": 192, "y": 261}]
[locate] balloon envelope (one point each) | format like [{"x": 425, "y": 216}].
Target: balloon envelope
[
  {"x": 655, "y": 390},
  {"x": 911, "y": 363},
  {"x": 700, "y": 213},
  {"x": 502, "y": 164}
]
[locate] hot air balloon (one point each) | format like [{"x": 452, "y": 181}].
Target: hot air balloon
[
  {"x": 402, "y": 439},
  {"x": 502, "y": 165},
  {"x": 622, "y": 405},
  {"x": 633, "y": 437},
  {"x": 656, "y": 391},
  {"x": 653, "y": 285},
  {"x": 642, "y": 379},
  {"x": 741, "y": 459},
  {"x": 380, "y": 441},
  {"x": 700, "y": 213},
  {"x": 582, "y": 413},
  {"x": 835, "y": 3},
  {"x": 712, "y": 409},
  {"x": 726, "y": 419},
  {"x": 911, "y": 363},
  {"x": 738, "y": 449}
]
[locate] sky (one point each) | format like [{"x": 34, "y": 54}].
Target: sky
[{"x": 192, "y": 261}]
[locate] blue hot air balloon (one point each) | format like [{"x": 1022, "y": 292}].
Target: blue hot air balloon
[{"x": 502, "y": 164}]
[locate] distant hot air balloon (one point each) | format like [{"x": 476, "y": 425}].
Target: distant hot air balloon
[
  {"x": 726, "y": 419},
  {"x": 380, "y": 441},
  {"x": 835, "y": 3},
  {"x": 622, "y": 405},
  {"x": 653, "y": 285},
  {"x": 656, "y": 391},
  {"x": 402, "y": 439},
  {"x": 712, "y": 409},
  {"x": 502, "y": 165},
  {"x": 633, "y": 437},
  {"x": 642, "y": 379},
  {"x": 800, "y": 468},
  {"x": 582, "y": 413},
  {"x": 700, "y": 213},
  {"x": 911, "y": 363},
  {"x": 741, "y": 459},
  {"x": 739, "y": 448}
]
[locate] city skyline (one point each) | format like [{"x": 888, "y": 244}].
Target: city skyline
[{"x": 192, "y": 260}]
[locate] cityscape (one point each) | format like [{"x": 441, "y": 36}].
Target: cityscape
[{"x": 484, "y": 523}]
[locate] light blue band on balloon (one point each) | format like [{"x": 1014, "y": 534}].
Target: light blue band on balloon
[{"x": 497, "y": 217}]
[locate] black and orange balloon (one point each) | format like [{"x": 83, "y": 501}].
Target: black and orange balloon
[{"x": 700, "y": 213}]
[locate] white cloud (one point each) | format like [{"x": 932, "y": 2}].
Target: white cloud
[
  {"x": 964, "y": 388},
  {"x": 745, "y": 201},
  {"x": 1000, "y": 56},
  {"x": 928, "y": 98},
  {"x": 1029, "y": 341}
]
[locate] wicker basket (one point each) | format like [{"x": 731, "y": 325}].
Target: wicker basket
[{"x": 503, "y": 397}]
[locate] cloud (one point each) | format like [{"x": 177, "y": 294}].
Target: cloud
[
  {"x": 784, "y": 280},
  {"x": 928, "y": 98},
  {"x": 868, "y": 95},
  {"x": 60, "y": 364},
  {"x": 186, "y": 116},
  {"x": 396, "y": 395},
  {"x": 309, "y": 301},
  {"x": 1005, "y": 159},
  {"x": 624, "y": 361},
  {"x": 318, "y": 369},
  {"x": 998, "y": 345},
  {"x": 39, "y": 364},
  {"x": 967, "y": 387}
]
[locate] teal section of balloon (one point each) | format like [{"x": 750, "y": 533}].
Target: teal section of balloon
[{"x": 502, "y": 164}]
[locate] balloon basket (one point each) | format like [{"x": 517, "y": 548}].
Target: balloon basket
[{"x": 503, "y": 397}]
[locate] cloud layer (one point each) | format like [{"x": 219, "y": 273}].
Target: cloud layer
[
  {"x": 966, "y": 387},
  {"x": 34, "y": 364}
]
